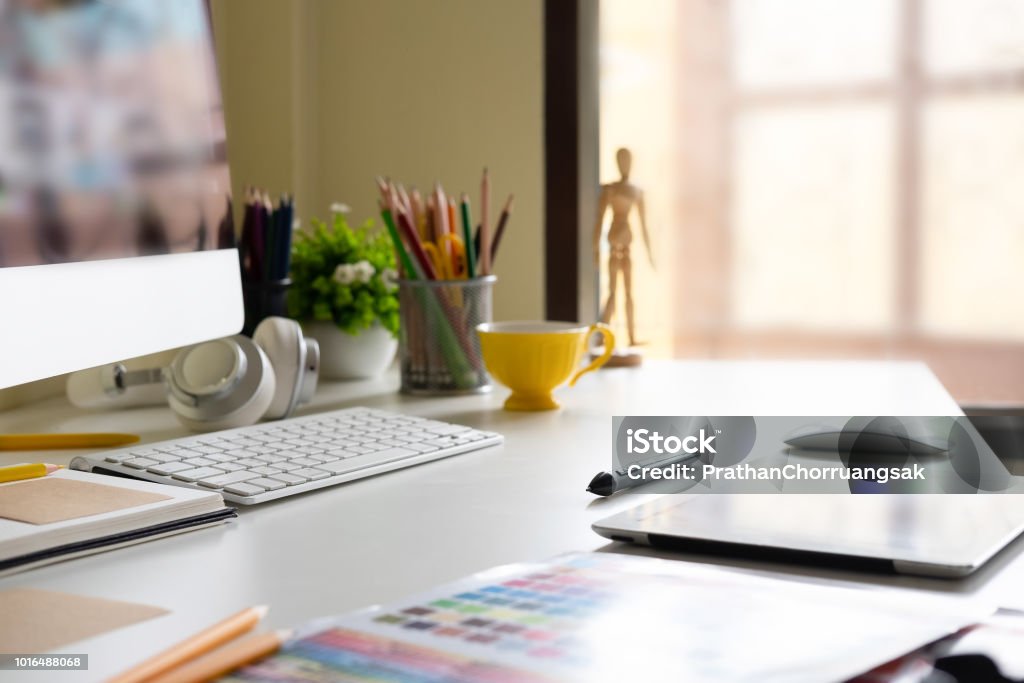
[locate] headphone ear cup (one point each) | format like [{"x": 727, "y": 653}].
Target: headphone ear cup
[
  {"x": 282, "y": 341},
  {"x": 243, "y": 403}
]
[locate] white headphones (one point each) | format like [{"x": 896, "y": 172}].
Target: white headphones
[{"x": 221, "y": 384}]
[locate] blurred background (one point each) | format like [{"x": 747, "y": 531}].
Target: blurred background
[
  {"x": 826, "y": 178},
  {"x": 823, "y": 178}
]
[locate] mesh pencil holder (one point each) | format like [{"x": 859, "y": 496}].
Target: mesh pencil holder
[{"x": 439, "y": 349}]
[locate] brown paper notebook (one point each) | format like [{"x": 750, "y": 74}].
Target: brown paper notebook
[
  {"x": 52, "y": 499},
  {"x": 71, "y": 513},
  {"x": 37, "y": 621}
]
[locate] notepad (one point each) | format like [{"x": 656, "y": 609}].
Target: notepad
[
  {"x": 70, "y": 513},
  {"x": 38, "y": 621},
  {"x": 55, "y": 499}
]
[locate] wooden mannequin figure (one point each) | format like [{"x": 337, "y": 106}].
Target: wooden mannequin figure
[{"x": 621, "y": 197}]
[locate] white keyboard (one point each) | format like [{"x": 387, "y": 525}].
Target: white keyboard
[{"x": 275, "y": 459}]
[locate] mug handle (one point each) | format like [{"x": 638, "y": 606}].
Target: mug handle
[{"x": 609, "y": 349}]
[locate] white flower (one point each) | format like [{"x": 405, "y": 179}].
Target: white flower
[
  {"x": 339, "y": 207},
  {"x": 344, "y": 274},
  {"x": 389, "y": 276},
  {"x": 363, "y": 271}
]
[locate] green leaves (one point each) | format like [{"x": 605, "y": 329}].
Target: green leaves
[{"x": 343, "y": 275}]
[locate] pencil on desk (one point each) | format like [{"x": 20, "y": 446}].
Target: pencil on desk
[
  {"x": 227, "y": 659},
  {"x": 26, "y": 471},
  {"x": 44, "y": 442},
  {"x": 194, "y": 646}
]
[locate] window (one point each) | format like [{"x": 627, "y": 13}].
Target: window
[{"x": 826, "y": 178}]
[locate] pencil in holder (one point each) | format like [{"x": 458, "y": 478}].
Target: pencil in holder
[
  {"x": 439, "y": 349},
  {"x": 263, "y": 298}
]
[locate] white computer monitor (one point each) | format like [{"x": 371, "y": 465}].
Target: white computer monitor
[{"x": 116, "y": 236}]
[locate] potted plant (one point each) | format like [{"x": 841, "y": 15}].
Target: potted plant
[{"x": 344, "y": 292}]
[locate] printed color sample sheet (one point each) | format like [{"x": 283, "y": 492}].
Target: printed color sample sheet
[{"x": 599, "y": 617}]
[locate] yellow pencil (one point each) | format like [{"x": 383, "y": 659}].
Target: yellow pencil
[
  {"x": 194, "y": 647},
  {"x": 45, "y": 442},
  {"x": 226, "y": 659},
  {"x": 28, "y": 471}
]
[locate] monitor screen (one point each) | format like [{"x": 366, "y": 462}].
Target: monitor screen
[{"x": 112, "y": 138}]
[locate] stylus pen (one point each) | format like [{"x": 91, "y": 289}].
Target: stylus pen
[{"x": 607, "y": 483}]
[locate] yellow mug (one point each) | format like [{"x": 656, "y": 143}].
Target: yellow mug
[{"x": 533, "y": 358}]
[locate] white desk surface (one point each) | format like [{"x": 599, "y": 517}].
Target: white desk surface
[{"x": 378, "y": 539}]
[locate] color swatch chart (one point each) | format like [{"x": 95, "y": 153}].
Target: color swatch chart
[
  {"x": 538, "y": 614},
  {"x": 605, "y": 618}
]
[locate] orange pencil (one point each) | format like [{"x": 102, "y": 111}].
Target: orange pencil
[
  {"x": 453, "y": 226},
  {"x": 227, "y": 659},
  {"x": 194, "y": 646}
]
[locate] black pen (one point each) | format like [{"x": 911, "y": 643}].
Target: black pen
[{"x": 607, "y": 483}]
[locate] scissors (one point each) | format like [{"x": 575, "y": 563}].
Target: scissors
[{"x": 448, "y": 256}]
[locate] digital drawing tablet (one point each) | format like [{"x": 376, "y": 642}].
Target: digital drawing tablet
[{"x": 945, "y": 535}]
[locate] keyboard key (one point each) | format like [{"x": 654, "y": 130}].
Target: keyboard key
[
  {"x": 248, "y": 462},
  {"x": 197, "y": 473},
  {"x": 200, "y": 462},
  {"x": 229, "y": 466},
  {"x": 421, "y": 447},
  {"x": 290, "y": 479},
  {"x": 268, "y": 484},
  {"x": 270, "y": 458},
  {"x": 119, "y": 457},
  {"x": 355, "y": 462},
  {"x": 140, "y": 463},
  {"x": 304, "y": 461},
  {"x": 244, "y": 489},
  {"x": 449, "y": 429},
  {"x": 222, "y": 480},
  {"x": 169, "y": 468},
  {"x": 265, "y": 470},
  {"x": 311, "y": 473}
]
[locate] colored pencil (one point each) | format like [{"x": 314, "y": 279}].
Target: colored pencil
[
  {"x": 416, "y": 247},
  {"x": 502, "y": 222},
  {"x": 403, "y": 256},
  {"x": 485, "y": 229},
  {"x": 27, "y": 471},
  {"x": 44, "y": 442},
  {"x": 441, "y": 226},
  {"x": 194, "y": 646},
  {"x": 418, "y": 214},
  {"x": 467, "y": 238},
  {"x": 229, "y": 658}
]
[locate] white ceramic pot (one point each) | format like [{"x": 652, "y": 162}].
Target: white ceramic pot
[{"x": 352, "y": 356}]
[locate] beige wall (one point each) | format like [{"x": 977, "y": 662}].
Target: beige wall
[
  {"x": 419, "y": 90},
  {"x": 416, "y": 90}
]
